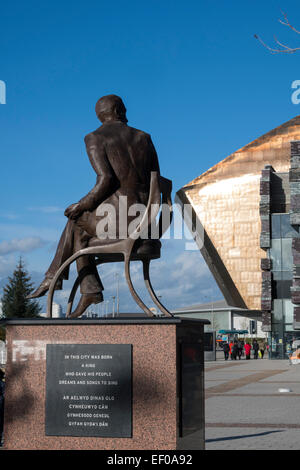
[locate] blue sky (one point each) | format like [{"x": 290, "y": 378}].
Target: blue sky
[{"x": 190, "y": 73}]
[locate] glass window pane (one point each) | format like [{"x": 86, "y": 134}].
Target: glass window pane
[
  {"x": 282, "y": 289},
  {"x": 277, "y": 275},
  {"x": 282, "y": 275},
  {"x": 287, "y": 230},
  {"x": 275, "y": 224},
  {"x": 275, "y": 254},
  {"x": 277, "y": 311},
  {"x": 289, "y": 327},
  {"x": 286, "y": 275},
  {"x": 278, "y": 329},
  {"x": 285, "y": 289},
  {"x": 277, "y": 342},
  {"x": 287, "y": 258},
  {"x": 288, "y": 311},
  {"x": 221, "y": 320},
  {"x": 275, "y": 290}
]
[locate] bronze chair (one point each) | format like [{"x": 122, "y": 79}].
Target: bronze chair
[{"x": 128, "y": 249}]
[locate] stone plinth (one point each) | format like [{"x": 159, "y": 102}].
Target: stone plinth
[{"x": 167, "y": 409}]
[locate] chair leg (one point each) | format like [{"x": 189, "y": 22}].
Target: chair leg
[
  {"x": 146, "y": 265},
  {"x": 72, "y": 296},
  {"x": 50, "y": 297},
  {"x": 131, "y": 288}
]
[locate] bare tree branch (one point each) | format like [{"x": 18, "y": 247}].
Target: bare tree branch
[
  {"x": 288, "y": 49},
  {"x": 283, "y": 48},
  {"x": 287, "y": 23}
]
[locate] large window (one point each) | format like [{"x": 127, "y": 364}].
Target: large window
[
  {"x": 281, "y": 255},
  {"x": 282, "y": 311},
  {"x": 282, "y": 269},
  {"x": 281, "y": 227}
]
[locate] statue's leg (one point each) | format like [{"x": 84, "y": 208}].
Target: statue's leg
[
  {"x": 90, "y": 282},
  {"x": 63, "y": 252}
]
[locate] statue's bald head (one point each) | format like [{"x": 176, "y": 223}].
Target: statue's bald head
[{"x": 111, "y": 108}]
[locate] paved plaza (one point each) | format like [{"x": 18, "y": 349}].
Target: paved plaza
[{"x": 244, "y": 408}]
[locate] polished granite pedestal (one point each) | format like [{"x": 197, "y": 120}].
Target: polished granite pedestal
[{"x": 103, "y": 384}]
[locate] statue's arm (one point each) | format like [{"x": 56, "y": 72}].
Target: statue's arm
[
  {"x": 154, "y": 164},
  {"x": 106, "y": 179}
]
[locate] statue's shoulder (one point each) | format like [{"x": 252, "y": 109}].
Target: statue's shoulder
[
  {"x": 110, "y": 130},
  {"x": 91, "y": 137},
  {"x": 139, "y": 133}
]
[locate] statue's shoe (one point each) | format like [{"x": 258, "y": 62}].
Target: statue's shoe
[
  {"x": 85, "y": 301},
  {"x": 44, "y": 287}
]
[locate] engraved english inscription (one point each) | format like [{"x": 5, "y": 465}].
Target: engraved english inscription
[{"x": 89, "y": 390}]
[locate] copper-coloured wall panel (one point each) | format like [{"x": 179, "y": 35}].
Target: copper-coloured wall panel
[{"x": 227, "y": 198}]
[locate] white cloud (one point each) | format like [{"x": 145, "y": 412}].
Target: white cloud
[
  {"x": 46, "y": 209},
  {"x": 9, "y": 231},
  {"x": 9, "y": 215},
  {"x": 7, "y": 265},
  {"x": 22, "y": 245},
  {"x": 189, "y": 265}
]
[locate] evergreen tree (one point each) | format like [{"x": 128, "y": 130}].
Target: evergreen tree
[{"x": 14, "y": 301}]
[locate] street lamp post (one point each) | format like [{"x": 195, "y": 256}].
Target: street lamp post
[
  {"x": 118, "y": 300},
  {"x": 113, "y": 307},
  {"x": 212, "y": 311},
  {"x": 159, "y": 298}
]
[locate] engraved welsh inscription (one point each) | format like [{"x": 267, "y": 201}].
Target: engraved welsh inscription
[{"x": 89, "y": 390}]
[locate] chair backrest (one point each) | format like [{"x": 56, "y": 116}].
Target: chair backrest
[
  {"x": 159, "y": 198},
  {"x": 152, "y": 208},
  {"x": 166, "y": 214}
]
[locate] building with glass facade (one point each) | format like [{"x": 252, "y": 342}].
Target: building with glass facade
[
  {"x": 249, "y": 209},
  {"x": 279, "y": 209},
  {"x": 222, "y": 316},
  {"x": 282, "y": 320}
]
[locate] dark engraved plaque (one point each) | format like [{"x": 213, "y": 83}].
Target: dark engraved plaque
[{"x": 89, "y": 390}]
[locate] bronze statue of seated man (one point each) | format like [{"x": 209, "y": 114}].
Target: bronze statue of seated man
[{"x": 123, "y": 159}]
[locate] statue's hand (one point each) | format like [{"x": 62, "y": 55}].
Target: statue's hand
[{"x": 73, "y": 211}]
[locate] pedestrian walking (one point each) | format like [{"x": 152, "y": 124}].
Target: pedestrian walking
[
  {"x": 262, "y": 348},
  {"x": 2, "y": 387},
  {"x": 247, "y": 348},
  {"x": 239, "y": 349},
  {"x": 243, "y": 349},
  {"x": 230, "y": 349},
  {"x": 234, "y": 351},
  {"x": 226, "y": 350},
  {"x": 255, "y": 347}
]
